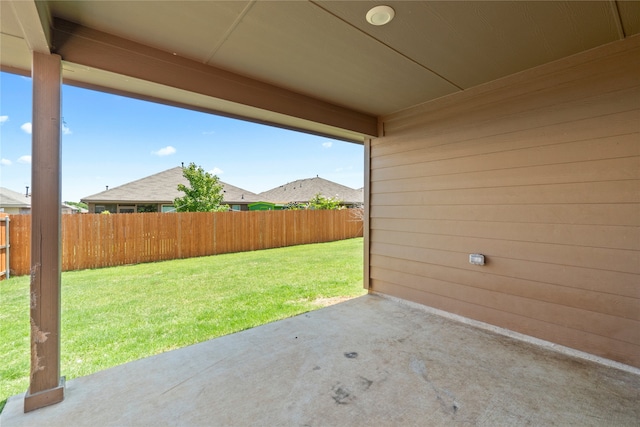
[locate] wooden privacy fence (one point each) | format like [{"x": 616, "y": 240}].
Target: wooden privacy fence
[
  {"x": 4, "y": 246},
  {"x": 95, "y": 241}
]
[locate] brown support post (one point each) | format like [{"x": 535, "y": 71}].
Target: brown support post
[
  {"x": 46, "y": 387},
  {"x": 367, "y": 211}
]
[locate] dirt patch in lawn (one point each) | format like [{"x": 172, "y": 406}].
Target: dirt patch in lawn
[
  {"x": 325, "y": 302},
  {"x": 322, "y": 301}
]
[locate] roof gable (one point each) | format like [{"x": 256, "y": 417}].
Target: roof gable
[
  {"x": 10, "y": 198},
  {"x": 303, "y": 190},
  {"x": 161, "y": 187}
]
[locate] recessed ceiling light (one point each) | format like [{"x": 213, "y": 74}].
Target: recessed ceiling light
[{"x": 380, "y": 15}]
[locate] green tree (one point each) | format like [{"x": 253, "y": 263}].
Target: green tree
[
  {"x": 321, "y": 202},
  {"x": 204, "y": 193}
]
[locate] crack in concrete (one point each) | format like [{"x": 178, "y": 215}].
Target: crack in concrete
[
  {"x": 446, "y": 398},
  {"x": 195, "y": 375}
]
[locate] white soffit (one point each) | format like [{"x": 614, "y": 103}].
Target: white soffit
[
  {"x": 473, "y": 42},
  {"x": 14, "y": 49},
  {"x": 191, "y": 29},
  {"x": 326, "y": 50},
  {"x": 34, "y": 23},
  {"x": 305, "y": 49}
]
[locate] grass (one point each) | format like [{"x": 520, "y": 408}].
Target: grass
[{"x": 115, "y": 315}]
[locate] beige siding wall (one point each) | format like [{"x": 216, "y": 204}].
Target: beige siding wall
[{"x": 540, "y": 172}]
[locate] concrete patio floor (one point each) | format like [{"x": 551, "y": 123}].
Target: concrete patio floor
[{"x": 370, "y": 361}]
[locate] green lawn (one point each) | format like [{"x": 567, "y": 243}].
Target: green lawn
[{"x": 114, "y": 315}]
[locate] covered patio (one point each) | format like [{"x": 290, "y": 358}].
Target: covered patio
[
  {"x": 501, "y": 178},
  {"x": 371, "y": 360}
]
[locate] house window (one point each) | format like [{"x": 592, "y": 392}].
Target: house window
[
  {"x": 101, "y": 208},
  {"x": 168, "y": 208},
  {"x": 126, "y": 209},
  {"x": 235, "y": 208},
  {"x": 147, "y": 208}
]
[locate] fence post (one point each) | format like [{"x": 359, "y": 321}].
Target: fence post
[
  {"x": 7, "y": 259},
  {"x": 5, "y": 247}
]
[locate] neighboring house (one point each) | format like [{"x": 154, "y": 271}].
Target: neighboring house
[
  {"x": 156, "y": 193},
  {"x": 265, "y": 206},
  {"x": 303, "y": 190},
  {"x": 68, "y": 209},
  {"x": 14, "y": 203}
]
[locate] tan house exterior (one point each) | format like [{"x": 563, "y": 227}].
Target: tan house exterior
[
  {"x": 537, "y": 171},
  {"x": 506, "y": 129},
  {"x": 156, "y": 193}
]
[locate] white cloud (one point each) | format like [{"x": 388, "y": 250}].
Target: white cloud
[
  {"x": 208, "y": 132},
  {"x": 26, "y": 159},
  {"x": 216, "y": 171},
  {"x": 5, "y": 162},
  {"x": 3, "y": 119},
  {"x": 166, "y": 151},
  {"x": 66, "y": 130},
  {"x": 327, "y": 144},
  {"x": 26, "y": 127}
]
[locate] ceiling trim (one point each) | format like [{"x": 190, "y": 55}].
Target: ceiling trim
[
  {"x": 35, "y": 22},
  {"x": 91, "y": 48},
  {"x": 230, "y": 30},
  {"x": 617, "y": 19},
  {"x": 387, "y": 45}
]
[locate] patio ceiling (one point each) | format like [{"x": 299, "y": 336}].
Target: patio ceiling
[{"x": 316, "y": 66}]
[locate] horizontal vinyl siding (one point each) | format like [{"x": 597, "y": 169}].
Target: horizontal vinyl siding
[{"x": 540, "y": 172}]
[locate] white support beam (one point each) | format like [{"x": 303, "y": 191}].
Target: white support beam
[{"x": 45, "y": 387}]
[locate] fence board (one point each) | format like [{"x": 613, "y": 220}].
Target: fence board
[
  {"x": 96, "y": 241},
  {"x": 4, "y": 246}
]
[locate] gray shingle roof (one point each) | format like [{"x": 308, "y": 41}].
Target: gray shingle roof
[
  {"x": 13, "y": 199},
  {"x": 10, "y": 198},
  {"x": 304, "y": 190},
  {"x": 162, "y": 188}
]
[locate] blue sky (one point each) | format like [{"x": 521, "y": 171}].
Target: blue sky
[{"x": 111, "y": 140}]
